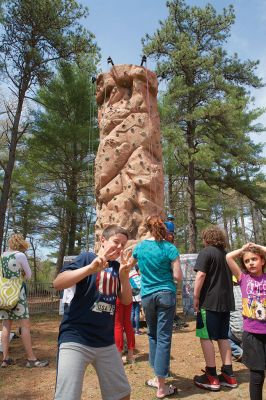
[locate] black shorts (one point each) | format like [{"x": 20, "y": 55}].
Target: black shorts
[
  {"x": 254, "y": 351},
  {"x": 212, "y": 325}
]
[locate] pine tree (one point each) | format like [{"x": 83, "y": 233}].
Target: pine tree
[
  {"x": 63, "y": 143},
  {"x": 35, "y": 35},
  {"x": 206, "y": 116}
]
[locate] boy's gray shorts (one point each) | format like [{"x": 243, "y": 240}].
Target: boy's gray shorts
[{"x": 73, "y": 359}]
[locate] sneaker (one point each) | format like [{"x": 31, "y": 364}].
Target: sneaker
[
  {"x": 227, "y": 380},
  {"x": 207, "y": 381},
  {"x": 238, "y": 359},
  {"x": 7, "y": 362},
  {"x": 128, "y": 360},
  {"x": 36, "y": 363}
]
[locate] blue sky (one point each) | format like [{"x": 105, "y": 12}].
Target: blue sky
[{"x": 119, "y": 26}]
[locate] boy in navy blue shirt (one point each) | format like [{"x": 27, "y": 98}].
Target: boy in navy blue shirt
[{"x": 86, "y": 334}]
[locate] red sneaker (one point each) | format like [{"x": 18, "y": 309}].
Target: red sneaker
[
  {"x": 207, "y": 381},
  {"x": 227, "y": 380}
]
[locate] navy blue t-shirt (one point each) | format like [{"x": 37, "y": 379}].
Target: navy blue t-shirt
[{"x": 89, "y": 318}]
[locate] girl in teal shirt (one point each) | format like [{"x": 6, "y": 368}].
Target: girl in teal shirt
[{"x": 159, "y": 265}]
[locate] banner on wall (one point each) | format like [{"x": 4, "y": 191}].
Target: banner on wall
[{"x": 187, "y": 265}]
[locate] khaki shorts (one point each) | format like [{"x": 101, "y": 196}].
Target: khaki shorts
[{"x": 73, "y": 359}]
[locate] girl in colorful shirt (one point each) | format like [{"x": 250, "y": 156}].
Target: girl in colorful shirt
[{"x": 252, "y": 281}]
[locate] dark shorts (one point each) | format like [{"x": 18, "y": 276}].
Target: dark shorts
[
  {"x": 212, "y": 325},
  {"x": 254, "y": 351}
]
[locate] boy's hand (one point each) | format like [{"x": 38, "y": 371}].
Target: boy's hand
[
  {"x": 196, "y": 304},
  {"x": 99, "y": 263},
  {"x": 108, "y": 251},
  {"x": 125, "y": 264}
]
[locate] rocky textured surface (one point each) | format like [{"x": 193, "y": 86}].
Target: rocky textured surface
[{"x": 128, "y": 166}]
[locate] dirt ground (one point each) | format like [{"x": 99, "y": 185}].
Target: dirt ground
[{"x": 20, "y": 383}]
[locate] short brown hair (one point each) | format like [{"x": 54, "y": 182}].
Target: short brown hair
[
  {"x": 214, "y": 236},
  {"x": 113, "y": 230},
  {"x": 156, "y": 227},
  {"x": 17, "y": 242}
]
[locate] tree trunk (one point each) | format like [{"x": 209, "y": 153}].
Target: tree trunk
[
  {"x": 11, "y": 159},
  {"x": 63, "y": 241},
  {"x": 25, "y": 218},
  {"x": 170, "y": 193},
  {"x": 35, "y": 267},
  {"x": 6, "y": 229},
  {"x": 226, "y": 230},
  {"x": 192, "y": 228},
  {"x": 254, "y": 223},
  {"x": 73, "y": 197},
  {"x": 231, "y": 232},
  {"x": 238, "y": 238},
  {"x": 257, "y": 224},
  {"x": 242, "y": 219}
]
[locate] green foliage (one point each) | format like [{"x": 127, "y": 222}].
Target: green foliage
[
  {"x": 46, "y": 271},
  {"x": 62, "y": 145},
  {"x": 38, "y": 33},
  {"x": 205, "y": 111}
]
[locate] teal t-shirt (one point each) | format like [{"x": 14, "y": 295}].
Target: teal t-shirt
[{"x": 154, "y": 261}]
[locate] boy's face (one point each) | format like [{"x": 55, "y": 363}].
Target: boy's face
[{"x": 117, "y": 242}]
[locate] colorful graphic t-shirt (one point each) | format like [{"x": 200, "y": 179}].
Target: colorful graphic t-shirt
[
  {"x": 89, "y": 318},
  {"x": 254, "y": 303}
]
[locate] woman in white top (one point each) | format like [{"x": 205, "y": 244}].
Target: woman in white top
[{"x": 15, "y": 264}]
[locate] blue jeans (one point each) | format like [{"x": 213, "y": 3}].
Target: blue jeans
[
  {"x": 135, "y": 312},
  {"x": 159, "y": 309},
  {"x": 235, "y": 344}
]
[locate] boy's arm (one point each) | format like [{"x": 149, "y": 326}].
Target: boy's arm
[
  {"x": 177, "y": 272},
  {"x": 232, "y": 264},
  {"x": 200, "y": 278},
  {"x": 69, "y": 278},
  {"x": 125, "y": 293}
]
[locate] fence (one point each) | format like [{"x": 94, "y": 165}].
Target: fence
[{"x": 42, "y": 297}]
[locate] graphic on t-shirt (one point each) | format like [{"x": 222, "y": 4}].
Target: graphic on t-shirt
[
  {"x": 254, "y": 305},
  {"x": 107, "y": 287},
  {"x": 253, "y": 308}
]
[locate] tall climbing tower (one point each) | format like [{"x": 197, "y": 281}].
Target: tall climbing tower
[{"x": 129, "y": 179}]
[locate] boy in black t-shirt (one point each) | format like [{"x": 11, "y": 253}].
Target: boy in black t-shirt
[
  {"x": 213, "y": 301},
  {"x": 86, "y": 334}
]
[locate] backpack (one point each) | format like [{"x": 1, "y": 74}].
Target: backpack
[{"x": 134, "y": 280}]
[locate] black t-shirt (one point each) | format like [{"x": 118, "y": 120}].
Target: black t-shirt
[
  {"x": 217, "y": 290},
  {"x": 89, "y": 318}
]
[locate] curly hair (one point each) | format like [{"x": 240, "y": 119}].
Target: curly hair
[
  {"x": 156, "y": 227},
  {"x": 214, "y": 236},
  {"x": 253, "y": 250},
  {"x": 17, "y": 242}
]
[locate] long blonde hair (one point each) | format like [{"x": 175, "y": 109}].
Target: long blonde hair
[{"x": 17, "y": 242}]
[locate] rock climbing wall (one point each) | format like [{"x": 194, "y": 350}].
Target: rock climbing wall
[{"x": 128, "y": 168}]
